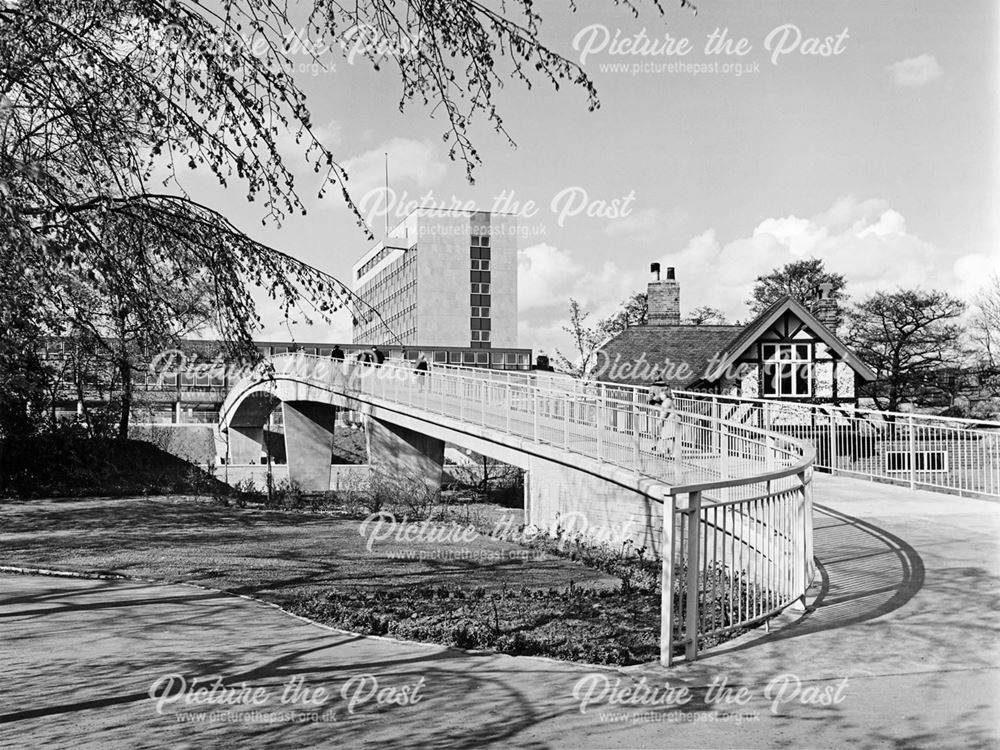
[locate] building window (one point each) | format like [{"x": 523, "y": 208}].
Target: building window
[
  {"x": 484, "y": 265},
  {"x": 787, "y": 369}
]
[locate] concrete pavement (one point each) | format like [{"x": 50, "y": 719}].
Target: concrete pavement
[{"x": 901, "y": 650}]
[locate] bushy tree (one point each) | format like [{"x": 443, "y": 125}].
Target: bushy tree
[
  {"x": 906, "y": 337},
  {"x": 96, "y": 95},
  {"x": 99, "y": 99},
  {"x": 705, "y": 315},
  {"x": 985, "y": 330},
  {"x": 632, "y": 312},
  {"x": 800, "y": 279}
]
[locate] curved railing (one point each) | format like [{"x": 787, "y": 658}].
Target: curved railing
[{"x": 737, "y": 509}]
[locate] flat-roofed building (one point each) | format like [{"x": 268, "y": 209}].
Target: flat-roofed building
[{"x": 440, "y": 278}]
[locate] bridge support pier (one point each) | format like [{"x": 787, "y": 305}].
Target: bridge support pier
[
  {"x": 401, "y": 453},
  {"x": 309, "y": 443},
  {"x": 583, "y": 504},
  {"x": 245, "y": 444}
]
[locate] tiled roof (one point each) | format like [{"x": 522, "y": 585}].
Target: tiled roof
[
  {"x": 668, "y": 348},
  {"x": 706, "y": 349}
]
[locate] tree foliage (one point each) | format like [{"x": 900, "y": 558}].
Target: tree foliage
[
  {"x": 104, "y": 102},
  {"x": 705, "y": 315},
  {"x": 800, "y": 279},
  {"x": 632, "y": 312},
  {"x": 985, "y": 329},
  {"x": 105, "y": 99},
  {"x": 587, "y": 339},
  {"x": 905, "y": 337}
]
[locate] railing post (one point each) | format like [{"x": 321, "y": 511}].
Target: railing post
[
  {"x": 694, "y": 542},
  {"x": 460, "y": 387},
  {"x": 600, "y": 422},
  {"x": 677, "y": 448},
  {"x": 913, "y": 453},
  {"x": 509, "y": 401},
  {"x": 534, "y": 411},
  {"x": 667, "y": 582},
  {"x": 803, "y": 549},
  {"x": 716, "y": 423},
  {"x": 566, "y": 402},
  {"x": 636, "y": 447},
  {"x": 723, "y": 450},
  {"x": 833, "y": 442}
]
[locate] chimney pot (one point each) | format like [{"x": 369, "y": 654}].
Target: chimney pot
[
  {"x": 655, "y": 268},
  {"x": 670, "y": 273}
]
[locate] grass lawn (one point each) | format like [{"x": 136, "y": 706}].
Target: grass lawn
[
  {"x": 274, "y": 554},
  {"x": 479, "y": 592}
]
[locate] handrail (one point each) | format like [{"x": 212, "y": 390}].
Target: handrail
[
  {"x": 769, "y": 535},
  {"x": 846, "y": 408},
  {"x": 800, "y": 466},
  {"x": 782, "y": 445}
]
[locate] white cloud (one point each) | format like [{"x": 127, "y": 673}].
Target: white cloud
[
  {"x": 915, "y": 71},
  {"x": 865, "y": 240}
]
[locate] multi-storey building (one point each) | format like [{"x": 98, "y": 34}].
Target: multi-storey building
[{"x": 441, "y": 278}]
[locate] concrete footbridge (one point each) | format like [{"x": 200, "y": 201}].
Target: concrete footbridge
[{"x": 727, "y": 494}]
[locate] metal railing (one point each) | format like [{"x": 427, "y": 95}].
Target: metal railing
[
  {"x": 920, "y": 451},
  {"x": 736, "y": 535}
]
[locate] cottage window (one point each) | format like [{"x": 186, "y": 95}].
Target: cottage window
[{"x": 787, "y": 370}]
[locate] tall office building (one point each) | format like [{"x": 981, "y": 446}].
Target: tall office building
[{"x": 444, "y": 278}]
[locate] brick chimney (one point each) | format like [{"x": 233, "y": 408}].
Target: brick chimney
[
  {"x": 825, "y": 307},
  {"x": 664, "y": 297}
]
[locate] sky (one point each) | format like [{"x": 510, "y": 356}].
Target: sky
[{"x": 862, "y": 133}]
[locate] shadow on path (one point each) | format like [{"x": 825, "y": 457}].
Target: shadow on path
[{"x": 863, "y": 572}]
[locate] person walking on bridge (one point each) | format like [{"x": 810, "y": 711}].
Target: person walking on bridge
[
  {"x": 421, "y": 370},
  {"x": 662, "y": 398}
]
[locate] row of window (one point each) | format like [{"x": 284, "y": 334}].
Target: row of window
[
  {"x": 375, "y": 260},
  {"x": 480, "y": 240}
]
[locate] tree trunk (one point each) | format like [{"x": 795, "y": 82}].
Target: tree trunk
[
  {"x": 125, "y": 371},
  {"x": 82, "y": 401}
]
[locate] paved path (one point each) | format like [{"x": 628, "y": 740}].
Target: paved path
[{"x": 906, "y": 612}]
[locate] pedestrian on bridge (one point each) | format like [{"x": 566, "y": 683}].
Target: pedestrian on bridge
[
  {"x": 421, "y": 370},
  {"x": 663, "y": 399}
]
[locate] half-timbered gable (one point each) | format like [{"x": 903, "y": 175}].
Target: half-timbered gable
[{"x": 786, "y": 353}]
